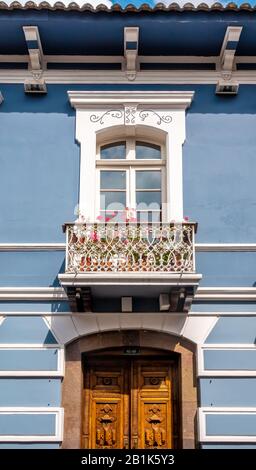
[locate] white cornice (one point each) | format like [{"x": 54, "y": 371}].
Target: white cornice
[
  {"x": 170, "y": 99},
  {"x": 175, "y": 77},
  {"x": 59, "y": 294}
]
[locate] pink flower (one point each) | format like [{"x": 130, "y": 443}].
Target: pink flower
[
  {"x": 108, "y": 217},
  {"x": 94, "y": 237}
]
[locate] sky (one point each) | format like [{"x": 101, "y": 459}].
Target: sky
[{"x": 123, "y": 3}]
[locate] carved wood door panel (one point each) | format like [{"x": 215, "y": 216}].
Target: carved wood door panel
[
  {"x": 127, "y": 404},
  {"x": 152, "y": 417}
]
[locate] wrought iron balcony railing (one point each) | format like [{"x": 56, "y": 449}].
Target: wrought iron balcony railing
[{"x": 92, "y": 248}]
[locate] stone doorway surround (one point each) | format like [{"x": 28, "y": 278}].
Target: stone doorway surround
[{"x": 72, "y": 388}]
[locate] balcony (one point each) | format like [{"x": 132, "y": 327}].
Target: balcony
[{"x": 138, "y": 259}]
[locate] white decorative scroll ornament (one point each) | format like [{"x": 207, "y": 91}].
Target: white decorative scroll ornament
[
  {"x": 100, "y": 118},
  {"x": 144, "y": 114}
]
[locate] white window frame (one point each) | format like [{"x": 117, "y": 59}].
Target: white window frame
[
  {"x": 131, "y": 165},
  {"x": 156, "y": 113}
]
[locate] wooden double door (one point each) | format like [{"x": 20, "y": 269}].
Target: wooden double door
[{"x": 128, "y": 403}]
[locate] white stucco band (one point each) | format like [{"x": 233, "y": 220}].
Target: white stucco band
[{"x": 157, "y": 111}]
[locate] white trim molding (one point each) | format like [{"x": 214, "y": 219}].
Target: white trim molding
[
  {"x": 151, "y": 77},
  {"x": 59, "y": 422},
  {"x": 226, "y": 247},
  {"x": 59, "y": 372},
  {"x": 202, "y": 372},
  {"x": 158, "y": 111},
  {"x": 199, "y": 247},
  {"x": 204, "y": 411},
  {"x": 32, "y": 247},
  {"x": 32, "y": 293},
  {"x": 226, "y": 293},
  {"x": 59, "y": 294}
]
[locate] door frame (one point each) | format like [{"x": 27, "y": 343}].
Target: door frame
[{"x": 72, "y": 387}]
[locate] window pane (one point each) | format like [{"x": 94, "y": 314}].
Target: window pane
[
  {"x": 148, "y": 216},
  {"x": 148, "y": 197},
  {"x": 112, "y": 200},
  {"x": 112, "y": 179},
  {"x": 112, "y": 216},
  {"x": 148, "y": 179},
  {"x": 147, "y": 151},
  {"x": 110, "y": 151}
]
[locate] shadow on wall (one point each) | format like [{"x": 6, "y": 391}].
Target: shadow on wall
[
  {"x": 25, "y": 330},
  {"x": 56, "y": 282},
  {"x": 56, "y": 99}
]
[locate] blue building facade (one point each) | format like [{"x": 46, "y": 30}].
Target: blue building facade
[{"x": 83, "y": 92}]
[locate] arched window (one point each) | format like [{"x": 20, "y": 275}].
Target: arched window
[{"x": 130, "y": 175}]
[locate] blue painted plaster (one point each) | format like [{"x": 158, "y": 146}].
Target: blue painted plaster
[
  {"x": 233, "y": 330},
  {"x": 30, "y": 392},
  {"x": 220, "y": 391},
  {"x": 24, "y": 306},
  {"x": 219, "y": 163},
  {"x": 228, "y": 446},
  {"x": 230, "y": 360},
  {"x": 219, "y": 175},
  {"x": 31, "y": 330},
  {"x": 227, "y": 269},
  {"x": 39, "y": 163},
  {"x": 41, "y": 269},
  {"x": 29, "y": 445},
  {"x": 215, "y": 307},
  {"x": 35, "y": 359},
  {"x": 228, "y": 424},
  {"x": 27, "y": 424},
  {"x": 31, "y": 269}
]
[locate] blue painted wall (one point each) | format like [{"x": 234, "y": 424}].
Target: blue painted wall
[
  {"x": 233, "y": 330},
  {"x": 27, "y": 424},
  {"x": 230, "y": 359},
  {"x": 219, "y": 163},
  {"x": 25, "y": 330},
  {"x": 228, "y": 446},
  {"x": 25, "y": 306},
  {"x": 41, "y": 269},
  {"x": 29, "y": 445},
  {"x": 33, "y": 359},
  {"x": 31, "y": 268},
  {"x": 30, "y": 392},
  {"x": 202, "y": 306},
  {"x": 227, "y": 269},
  {"x": 223, "y": 391},
  {"x": 39, "y": 162},
  {"x": 230, "y": 425}
]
